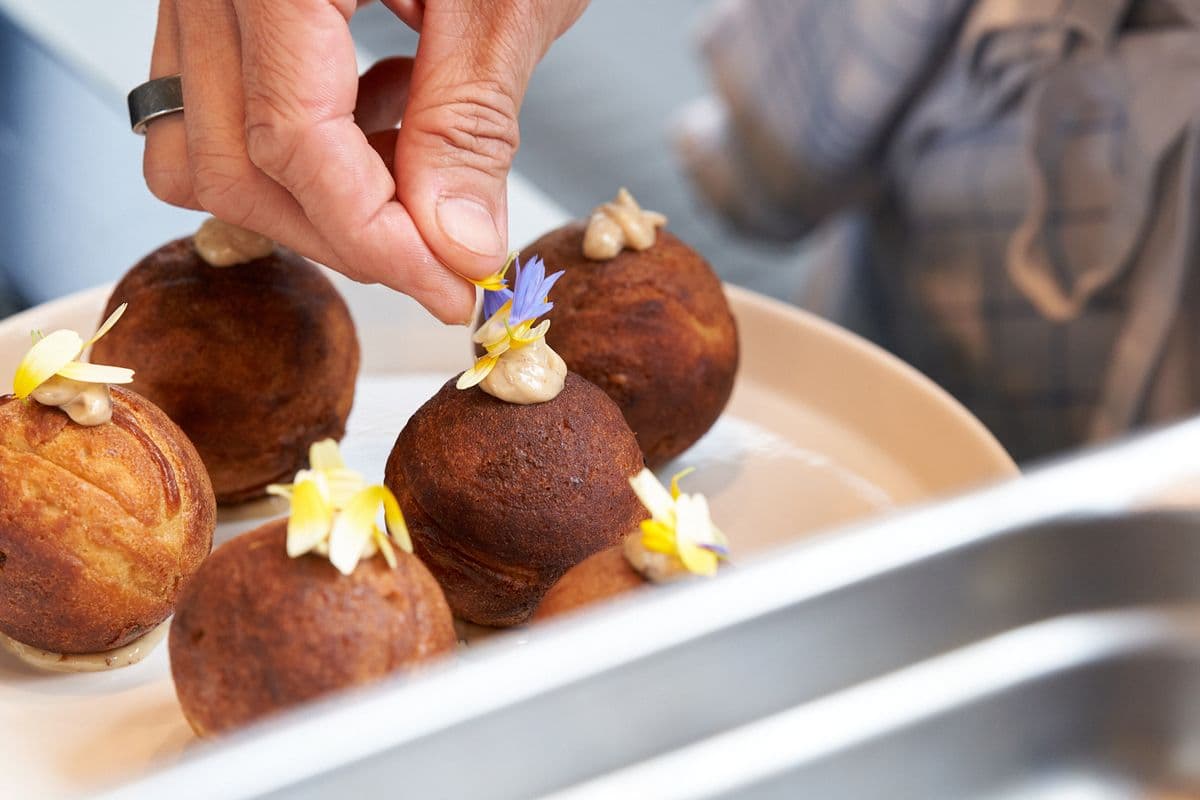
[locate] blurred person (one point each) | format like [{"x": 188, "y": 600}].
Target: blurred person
[{"x": 1021, "y": 178}]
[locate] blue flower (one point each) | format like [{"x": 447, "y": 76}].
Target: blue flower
[
  {"x": 531, "y": 288},
  {"x": 493, "y": 300}
]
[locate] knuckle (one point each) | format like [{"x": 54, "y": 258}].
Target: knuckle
[
  {"x": 277, "y": 120},
  {"x": 478, "y": 127},
  {"x": 219, "y": 181},
  {"x": 271, "y": 145},
  {"x": 284, "y": 153}
]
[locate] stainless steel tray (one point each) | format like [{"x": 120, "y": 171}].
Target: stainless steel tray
[{"x": 1037, "y": 639}]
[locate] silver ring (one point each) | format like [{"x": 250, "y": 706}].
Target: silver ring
[{"x": 156, "y": 98}]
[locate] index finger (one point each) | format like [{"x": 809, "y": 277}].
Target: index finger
[{"x": 301, "y": 82}]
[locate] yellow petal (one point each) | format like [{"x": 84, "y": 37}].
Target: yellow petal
[
  {"x": 654, "y": 496},
  {"x": 495, "y": 281},
  {"x": 698, "y": 560},
  {"x": 394, "y": 518},
  {"x": 499, "y": 347},
  {"x": 44, "y": 360},
  {"x": 523, "y": 334},
  {"x": 324, "y": 455},
  {"x": 693, "y": 528},
  {"x": 477, "y": 373},
  {"x": 352, "y": 529},
  {"x": 385, "y": 546},
  {"x": 95, "y": 373},
  {"x": 311, "y": 519},
  {"x": 106, "y": 326},
  {"x": 676, "y": 478},
  {"x": 658, "y": 537},
  {"x": 717, "y": 537}
]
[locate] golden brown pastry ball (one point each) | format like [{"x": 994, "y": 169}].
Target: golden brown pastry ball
[
  {"x": 650, "y": 328},
  {"x": 100, "y": 526},
  {"x": 602, "y": 576},
  {"x": 502, "y": 499},
  {"x": 255, "y": 361},
  {"x": 257, "y": 631}
]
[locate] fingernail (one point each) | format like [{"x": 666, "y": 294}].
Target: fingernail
[{"x": 470, "y": 225}]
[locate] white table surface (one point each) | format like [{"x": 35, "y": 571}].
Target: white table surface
[{"x": 107, "y": 42}]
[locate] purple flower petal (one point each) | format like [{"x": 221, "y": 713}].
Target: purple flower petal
[
  {"x": 493, "y": 300},
  {"x": 530, "y": 289}
]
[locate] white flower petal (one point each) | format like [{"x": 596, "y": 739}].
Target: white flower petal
[
  {"x": 343, "y": 484},
  {"x": 693, "y": 527},
  {"x": 324, "y": 455},
  {"x": 495, "y": 328},
  {"x": 95, "y": 373},
  {"x": 106, "y": 326},
  {"x": 352, "y": 530},
  {"x": 654, "y": 496}
]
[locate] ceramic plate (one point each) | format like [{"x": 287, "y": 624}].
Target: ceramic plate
[{"x": 823, "y": 428}]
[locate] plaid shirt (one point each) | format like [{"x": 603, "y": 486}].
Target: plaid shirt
[{"x": 1025, "y": 175}]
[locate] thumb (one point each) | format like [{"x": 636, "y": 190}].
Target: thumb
[{"x": 460, "y": 133}]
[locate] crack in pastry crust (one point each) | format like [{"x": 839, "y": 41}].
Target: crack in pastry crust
[{"x": 99, "y": 526}]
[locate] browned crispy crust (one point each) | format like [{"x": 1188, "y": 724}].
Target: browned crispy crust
[
  {"x": 651, "y": 328},
  {"x": 255, "y": 362},
  {"x": 257, "y": 631},
  {"x": 602, "y": 576},
  {"x": 502, "y": 499},
  {"x": 100, "y": 526}
]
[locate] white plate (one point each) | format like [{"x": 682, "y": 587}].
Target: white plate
[{"x": 823, "y": 428}]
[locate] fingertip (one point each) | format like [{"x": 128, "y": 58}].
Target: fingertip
[
  {"x": 455, "y": 306},
  {"x": 418, "y": 274}
]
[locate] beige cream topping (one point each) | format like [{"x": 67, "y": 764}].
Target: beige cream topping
[
  {"x": 653, "y": 566},
  {"x": 85, "y": 403},
  {"x": 125, "y": 656},
  {"x": 620, "y": 224},
  {"x": 223, "y": 245},
  {"x": 530, "y": 374}
]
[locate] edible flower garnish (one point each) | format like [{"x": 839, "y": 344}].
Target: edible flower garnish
[
  {"x": 679, "y": 524},
  {"x": 496, "y": 281},
  {"x": 512, "y": 323},
  {"x": 58, "y": 354},
  {"x": 335, "y": 513}
]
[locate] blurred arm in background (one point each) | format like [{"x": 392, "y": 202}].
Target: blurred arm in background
[
  {"x": 1026, "y": 173},
  {"x": 808, "y": 94}
]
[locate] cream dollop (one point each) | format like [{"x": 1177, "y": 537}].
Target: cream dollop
[
  {"x": 125, "y": 656},
  {"x": 85, "y": 403},
  {"x": 530, "y": 374},
  {"x": 223, "y": 245},
  {"x": 653, "y": 566},
  {"x": 620, "y": 224}
]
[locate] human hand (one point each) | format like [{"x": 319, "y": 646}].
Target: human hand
[{"x": 274, "y": 135}]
